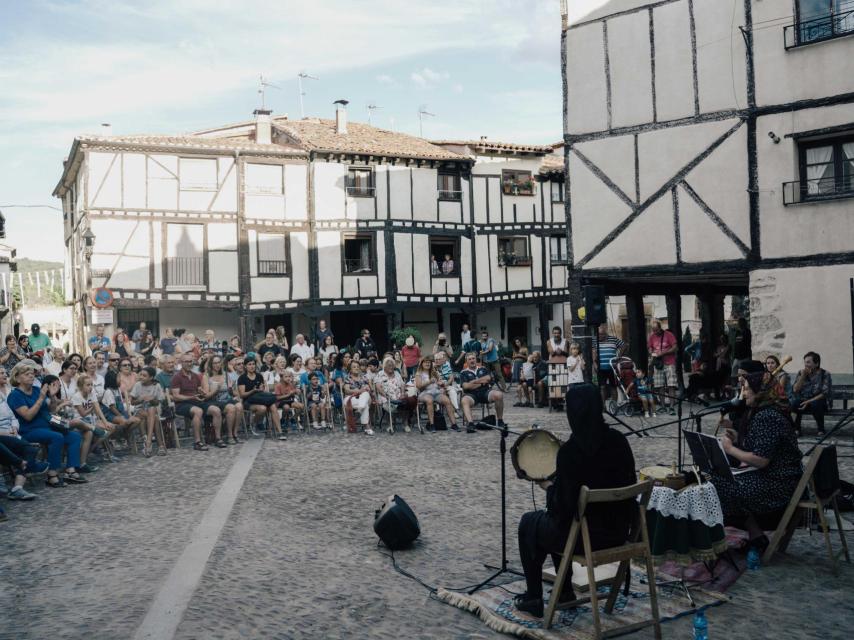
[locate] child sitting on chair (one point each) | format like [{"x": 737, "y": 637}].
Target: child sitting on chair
[
  {"x": 317, "y": 404},
  {"x": 643, "y": 387},
  {"x": 287, "y": 400}
]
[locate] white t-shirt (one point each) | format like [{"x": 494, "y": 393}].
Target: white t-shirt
[
  {"x": 147, "y": 392},
  {"x": 303, "y": 350},
  {"x": 8, "y": 419},
  {"x": 576, "y": 376},
  {"x": 559, "y": 346},
  {"x": 67, "y": 391},
  {"x": 527, "y": 370},
  {"x": 98, "y": 386},
  {"x": 80, "y": 402}
]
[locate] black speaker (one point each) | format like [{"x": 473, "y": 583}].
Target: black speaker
[
  {"x": 594, "y": 304},
  {"x": 395, "y": 523}
]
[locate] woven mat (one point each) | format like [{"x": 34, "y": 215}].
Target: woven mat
[{"x": 495, "y": 607}]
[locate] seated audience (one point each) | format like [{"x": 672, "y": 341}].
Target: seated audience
[
  {"x": 812, "y": 392},
  {"x": 431, "y": 392},
  {"x": 477, "y": 380}
]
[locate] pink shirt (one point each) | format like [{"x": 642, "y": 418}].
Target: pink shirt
[{"x": 662, "y": 343}]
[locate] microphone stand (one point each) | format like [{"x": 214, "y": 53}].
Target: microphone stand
[{"x": 503, "y": 568}]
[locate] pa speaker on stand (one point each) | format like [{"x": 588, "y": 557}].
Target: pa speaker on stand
[
  {"x": 395, "y": 523},
  {"x": 594, "y": 304}
]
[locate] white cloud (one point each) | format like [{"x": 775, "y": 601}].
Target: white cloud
[
  {"x": 385, "y": 79},
  {"x": 427, "y": 78},
  {"x": 457, "y": 88}
]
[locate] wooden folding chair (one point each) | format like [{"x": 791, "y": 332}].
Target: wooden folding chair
[
  {"x": 637, "y": 545},
  {"x": 822, "y": 461}
]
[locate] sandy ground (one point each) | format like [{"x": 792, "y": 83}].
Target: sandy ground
[{"x": 297, "y": 557}]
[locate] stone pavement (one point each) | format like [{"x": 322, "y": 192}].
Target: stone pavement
[{"x": 297, "y": 557}]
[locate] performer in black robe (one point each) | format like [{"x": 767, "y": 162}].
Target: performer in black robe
[{"x": 595, "y": 456}]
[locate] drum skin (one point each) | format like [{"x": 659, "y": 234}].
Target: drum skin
[{"x": 534, "y": 455}]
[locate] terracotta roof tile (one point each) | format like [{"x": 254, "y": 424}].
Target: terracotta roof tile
[
  {"x": 552, "y": 164},
  {"x": 492, "y": 145},
  {"x": 191, "y": 141},
  {"x": 320, "y": 135}
]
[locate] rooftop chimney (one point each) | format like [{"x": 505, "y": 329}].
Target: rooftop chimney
[
  {"x": 263, "y": 126},
  {"x": 341, "y": 116},
  {"x": 106, "y": 129}
]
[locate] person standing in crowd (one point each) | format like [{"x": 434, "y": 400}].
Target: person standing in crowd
[
  {"x": 11, "y": 354},
  {"x": 168, "y": 343},
  {"x": 137, "y": 335},
  {"x": 740, "y": 340},
  {"x": 411, "y": 354},
  {"x": 489, "y": 355},
  {"x": 183, "y": 342},
  {"x": 282, "y": 339},
  {"x": 268, "y": 345},
  {"x": 99, "y": 342},
  {"x": 472, "y": 345},
  {"x": 365, "y": 346},
  {"x": 210, "y": 343},
  {"x": 123, "y": 346},
  {"x": 610, "y": 347},
  {"x": 812, "y": 392},
  {"x": 302, "y": 348},
  {"x": 575, "y": 365},
  {"x": 520, "y": 357},
  {"x": 476, "y": 380},
  {"x": 662, "y": 352},
  {"x": 465, "y": 337},
  {"x": 557, "y": 345},
  {"x": 38, "y": 341},
  {"x": 322, "y": 333},
  {"x": 442, "y": 345},
  {"x": 146, "y": 344},
  {"x": 328, "y": 351}
]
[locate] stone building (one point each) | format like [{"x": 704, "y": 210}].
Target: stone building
[{"x": 710, "y": 151}]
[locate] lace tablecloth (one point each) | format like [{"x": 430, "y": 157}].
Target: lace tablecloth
[{"x": 687, "y": 525}]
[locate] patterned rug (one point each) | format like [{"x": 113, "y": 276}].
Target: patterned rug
[
  {"x": 495, "y": 607},
  {"x": 726, "y": 571}
]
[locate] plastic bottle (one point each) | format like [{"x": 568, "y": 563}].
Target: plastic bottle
[
  {"x": 753, "y": 559},
  {"x": 701, "y": 626}
]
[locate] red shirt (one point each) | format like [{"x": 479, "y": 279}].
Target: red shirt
[
  {"x": 661, "y": 343},
  {"x": 410, "y": 355},
  {"x": 187, "y": 385}
]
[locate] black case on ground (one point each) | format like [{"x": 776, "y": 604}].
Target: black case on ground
[{"x": 396, "y": 524}]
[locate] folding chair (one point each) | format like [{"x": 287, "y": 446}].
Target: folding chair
[
  {"x": 816, "y": 490},
  {"x": 637, "y": 545}
]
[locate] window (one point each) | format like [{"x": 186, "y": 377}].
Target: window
[
  {"x": 264, "y": 179},
  {"x": 818, "y": 20},
  {"x": 558, "y": 249},
  {"x": 517, "y": 183},
  {"x": 198, "y": 174},
  {"x": 557, "y": 191},
  {"x": 359, "y": 255},
  {"x": 444, "y": 257},
  {"x": 513, "y": 252},
  {"x": 360, "y": 182},
  {"x": 449, "y": 186},
  {"x": 272, "y": 254},
  {"x": 826, "y": 171},
  {"x": 185, "y": 261}
]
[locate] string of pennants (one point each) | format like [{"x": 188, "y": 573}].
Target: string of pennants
[{"x": 50, "y": 280}]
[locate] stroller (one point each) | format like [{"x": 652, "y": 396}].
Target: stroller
[{"x": 628, "y": 400}]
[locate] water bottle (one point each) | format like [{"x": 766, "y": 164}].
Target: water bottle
[
  {"x": 753, "y": 559},
  {"x": 701, "y": 626}
]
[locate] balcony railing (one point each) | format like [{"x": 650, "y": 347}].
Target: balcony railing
[
  {"x": 509, "y": 260},
  {"x": 447, "y": 194},
  {"x": 272, "y": 267},
  {"x": 819, "y": 29},
  {"x": 185, "y": 272},
  {"x": 818, "y": 190},
  {"x": 356, "y": 265},
  {"x": 360, "y": 192}
]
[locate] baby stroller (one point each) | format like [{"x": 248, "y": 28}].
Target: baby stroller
[{"x": 627, "y": 396}]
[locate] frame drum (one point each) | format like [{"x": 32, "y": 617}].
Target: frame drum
[{"x": 534, "y": 455}]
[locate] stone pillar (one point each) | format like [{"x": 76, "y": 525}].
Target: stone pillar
[{"x": 544, "y": 326}]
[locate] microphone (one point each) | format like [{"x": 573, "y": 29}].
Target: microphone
[{"x": 723, "y": 406}]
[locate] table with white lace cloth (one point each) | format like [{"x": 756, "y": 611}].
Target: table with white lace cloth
[{"x": 687, "y": 525}]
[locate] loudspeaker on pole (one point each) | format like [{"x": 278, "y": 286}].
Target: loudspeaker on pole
[{"x": 594, "y": 304}]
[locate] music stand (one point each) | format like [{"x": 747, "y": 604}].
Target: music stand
[{"x": 503, "y": 568}]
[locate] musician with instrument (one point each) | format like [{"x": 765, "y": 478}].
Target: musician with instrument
[
  {"x": 595, "y": 456},
  {"x": 764, "y": 444}
]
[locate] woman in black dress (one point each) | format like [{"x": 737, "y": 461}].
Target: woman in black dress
[
  {"x": 767, "y": 442},
  {"x": 595, "y": 456}
]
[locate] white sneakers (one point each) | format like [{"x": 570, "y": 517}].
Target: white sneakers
[{"x": 369, "y": 431}]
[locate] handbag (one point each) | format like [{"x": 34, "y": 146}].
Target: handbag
[{"x": 58, "y": 424}]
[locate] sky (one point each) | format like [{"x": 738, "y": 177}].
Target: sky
[{"x": 483, "y": 67}]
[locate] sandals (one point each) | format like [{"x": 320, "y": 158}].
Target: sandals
[
  {"x": 56, "y": 484},
  {"x": 74, "y": 478},
  {"x": 220, "y": 444},
  {"x": 200, "y": 446}
]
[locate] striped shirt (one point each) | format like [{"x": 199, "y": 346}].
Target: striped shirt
[{"x": 608, "y": 348}]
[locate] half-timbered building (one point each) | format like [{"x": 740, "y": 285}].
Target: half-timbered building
[
  {"x": 709, "y": 151},
  {"x": 280, "y": 222}
]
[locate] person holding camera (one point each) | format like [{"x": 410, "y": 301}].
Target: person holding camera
[{"x": 443, "y": 345}]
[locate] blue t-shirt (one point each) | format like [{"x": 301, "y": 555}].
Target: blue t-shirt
[
  {"x": 469, "y": 375},
  {"x": 167, "y": 346},
  {"x": 643, "y": 386},
  {"x": 99, "y": 344},
  {"x": 608, "y": 347},
  {"x": 18, "y": 399},
  {"x": 489, "y": 350}
]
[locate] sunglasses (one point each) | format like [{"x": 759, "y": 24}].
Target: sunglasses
[{"x": 125, "y": 365}]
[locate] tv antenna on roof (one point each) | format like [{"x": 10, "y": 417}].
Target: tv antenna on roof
[
  {"x": 371, "y": 107},
  {"x": 302, "y": 75},
  {"x": 422, "y": 111},
  {"x": 262, "y": 88}
]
